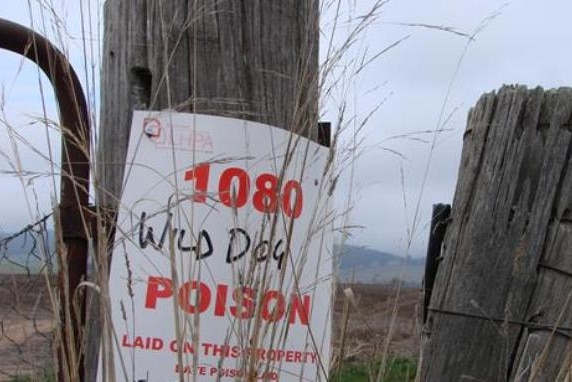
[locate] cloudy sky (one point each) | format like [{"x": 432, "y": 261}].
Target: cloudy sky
[{"x": 525, "y": 42}]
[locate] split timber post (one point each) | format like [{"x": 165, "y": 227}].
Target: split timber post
[
  {"x": 501, "y": 307},
  {"x": 254, "y": 60}
]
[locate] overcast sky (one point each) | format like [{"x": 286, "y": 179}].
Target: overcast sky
[{"x": 528, "y": 42}]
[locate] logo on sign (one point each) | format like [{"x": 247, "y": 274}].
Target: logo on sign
[
  {"x": 179, "y": 137},
  {"x": 152, "y": 128}
]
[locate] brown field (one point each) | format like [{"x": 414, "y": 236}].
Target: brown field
[
  {"x": 26, "y": 324},
  {"x": 382, "y": 321}
]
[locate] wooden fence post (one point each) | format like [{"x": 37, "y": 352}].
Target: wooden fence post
[
  {"x": 255, "y": 60},
  {"x": 501, "y": 308}
]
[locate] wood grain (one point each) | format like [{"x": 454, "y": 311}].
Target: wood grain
[
  {"x": 254, "y": 60},
  {"x": 510, "y": 216}
]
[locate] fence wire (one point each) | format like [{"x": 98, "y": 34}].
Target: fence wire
[{"x": 27, "y": 275}]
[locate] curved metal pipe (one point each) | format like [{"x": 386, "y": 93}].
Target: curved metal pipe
[{"x": 74, "y": 194}]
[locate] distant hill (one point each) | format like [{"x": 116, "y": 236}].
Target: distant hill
[
  {"x": 365, "y": 265},
  {"x": 25, "y": 252},
  {"x": 22, "y": 244},
  {"x": 356, "y": 263}
]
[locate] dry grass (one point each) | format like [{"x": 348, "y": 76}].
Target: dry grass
[
  {"x": 393, "y": 336},
  {"x": 25, "y": 346}
]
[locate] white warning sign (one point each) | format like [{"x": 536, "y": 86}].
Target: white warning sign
[{"x": 222, "y": 264}]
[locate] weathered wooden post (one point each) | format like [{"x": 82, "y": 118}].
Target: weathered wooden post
[
  {"x": 255, "y": 60},
  {"x": 500, "y": 308}
]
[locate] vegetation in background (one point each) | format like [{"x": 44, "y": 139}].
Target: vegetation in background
[
  {"x": 398, "y": 370},
  {"x": 46, "y": 376}
]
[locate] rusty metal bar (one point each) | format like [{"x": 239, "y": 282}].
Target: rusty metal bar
[{"x": 75, "y": 154}]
